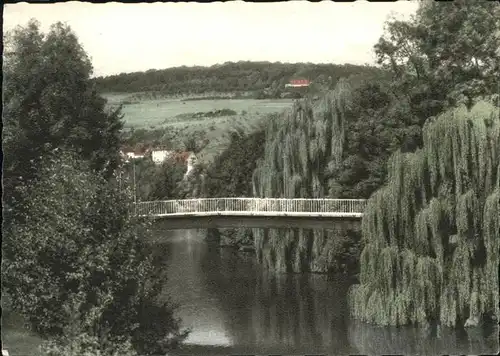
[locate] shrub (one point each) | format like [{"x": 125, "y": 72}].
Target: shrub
[{"x": 81, "y": 252}]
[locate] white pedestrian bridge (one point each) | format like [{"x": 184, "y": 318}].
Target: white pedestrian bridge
[{"x": 252, "y": 212}]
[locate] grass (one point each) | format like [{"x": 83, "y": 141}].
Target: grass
[
  {"x": 17, "y": 339},
  {"x": 158, "y": 113},
  {"x": 181, "y": 118},
  {"x": 215, "y": 130}
]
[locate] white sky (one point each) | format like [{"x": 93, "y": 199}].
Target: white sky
[{"x": 136, "y": 37}]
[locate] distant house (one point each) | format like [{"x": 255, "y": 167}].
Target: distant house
[
  {"x": 134, "y": 155},
  {"x": 128, "y": 153},
  {"x": 137, "y": 155},
  {"x": 298, "y": 83},
  {"x": 158, "y": 156}
]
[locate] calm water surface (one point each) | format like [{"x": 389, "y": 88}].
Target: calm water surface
[{"x": 234, "y": 306}]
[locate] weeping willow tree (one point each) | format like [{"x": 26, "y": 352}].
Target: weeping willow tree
[
  {"x": 300, "y": 144},
  {"x": 432, "y": 233}
]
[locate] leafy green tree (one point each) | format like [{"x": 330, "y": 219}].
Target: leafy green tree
[
  {"x": 231, "y": 176},
  {"x": 191, "y": 144},
  {"x": 432, "y": 59},
  {"x": 166, "y": 179},
  {"x": 50, "y": 102},
  {"x": 377, "y": 124},
  {"x": 145, "y": 171},
  {"x": 82, "y": 253},
  {"x": 446, "y": 54},
  {"x": 231, "y": 173},
  {"x": 76, "y": 343}
]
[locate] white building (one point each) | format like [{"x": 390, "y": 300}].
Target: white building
[
  {"x": 133, "y": 155},
  {"x": 130, "y": 155},
  {"x": 159, "y": 156}
]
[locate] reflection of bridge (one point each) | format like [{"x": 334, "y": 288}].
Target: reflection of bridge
[{"x": 252, "y": 212}]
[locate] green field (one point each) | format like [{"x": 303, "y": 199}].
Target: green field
[
  {"x": 176, "y": 118},
  {"x": 158, "y": 113}
]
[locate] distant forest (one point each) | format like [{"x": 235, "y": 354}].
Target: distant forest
[{"x": 264, "y": 79}]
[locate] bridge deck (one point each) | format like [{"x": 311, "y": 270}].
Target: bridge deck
[
  {"x": 257, "y": 214},
  {"x": 335, "y": 208},
  {"x": 253, "y": 212}
]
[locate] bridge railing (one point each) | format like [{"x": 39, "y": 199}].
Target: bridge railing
[{"x": 211, "y": 205}]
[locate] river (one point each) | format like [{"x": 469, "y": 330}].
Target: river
[{"x": 235, "y": 307}]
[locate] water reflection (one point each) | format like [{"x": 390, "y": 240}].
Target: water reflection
[
  {"x": 371, "y": 340},
  {"x": 280, "y": 313},
  {"x": 229, "y": 300},
  {"x": 199, "y": 309}
]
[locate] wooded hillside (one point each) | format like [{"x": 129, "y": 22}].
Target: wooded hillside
[{"x": 229, "y": 78}]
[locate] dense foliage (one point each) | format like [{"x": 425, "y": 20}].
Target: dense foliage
[
  {"x": 152, "y": 181},
  {"x": 437, "y": 59},
  {"x": 300, "y": 144},
  {"x": 264, "y": 78},
  {"x": 302, "y": 147},
  {"x": 341, "y": 142},
  {"x": 81, "y": 264},
  {"x": 445, "y": 55},
  {"x": 231, "y": 173},
  {"x": 49, "y": 101},
  {"x": 75, "y": 262},
  {"x": 433, "y": 231},
  {"x": 340, "y": 146},
  {"x": 376, "y": 124},
  {"x": 156, "y": 182}
]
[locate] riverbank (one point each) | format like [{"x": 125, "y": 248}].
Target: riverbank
[{"x": 16, "y": 338}]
